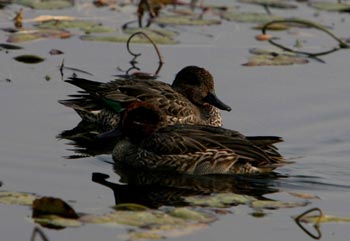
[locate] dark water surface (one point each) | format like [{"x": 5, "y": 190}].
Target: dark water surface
[{"x": 308, "y": 105}]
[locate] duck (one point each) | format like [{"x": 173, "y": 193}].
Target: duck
[
  {"x": 191, "y": 98},
  {"x": 145, "y": 141}
]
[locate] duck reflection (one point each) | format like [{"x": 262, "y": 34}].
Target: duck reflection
[
  {"x": 155, "y": 189},
  {"x": 85, "y": 142}
]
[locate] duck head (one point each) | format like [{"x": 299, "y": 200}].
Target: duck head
[
  {"x": 141, "y": 119},
  {"x": 197, "y": 85}
]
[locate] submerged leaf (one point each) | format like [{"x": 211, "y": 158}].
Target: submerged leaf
[
  {"x": 271, "y": 204},
  {"x": 185, "y": 20},
  {"x": 29, "y": 35},
  {"x": 219, "y": 200},
  {"x": 17, "y": 198},
  {"x": 331, "y": 6},
  {"x": 29, "y": 59},
  {"x": 53, "y": 206},
  {"x": 249, "y": 17},
  {"x": 87, "y": 26},
  {"x": 46, "y": 4}
]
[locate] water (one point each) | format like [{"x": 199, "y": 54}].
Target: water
[{"x": 308, "y": 105}]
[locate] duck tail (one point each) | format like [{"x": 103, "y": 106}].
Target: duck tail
[{"x": 89, "y": 86}]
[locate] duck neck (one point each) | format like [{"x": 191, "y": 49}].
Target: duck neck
[{"x": 211, "y": 115}]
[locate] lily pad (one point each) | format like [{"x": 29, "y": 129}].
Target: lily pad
[
  {"x": 185, "y": 20},
  {"x": 249, "y": 17},
  {"x": 86, "y": 26},
  {"x": 46, "y": 4},
  {"x": 271, "y": 3},
  {"x": 17, "y": 198},
  {"x": 324, "y": 219},
  {"x": 219, "y": 200},
  {"x": 57, "y": 222},
  {"x": 10, "y": 46},
  {"x": 271, "y": 204},
  {"x": 34, "y": 34},
  {"x": 151, "y": 218},
  {"x": 303, "y": 195},
  {"x": 29, "y": 59},
  {"x": 278, "y": 58},
  {"x": 331, "y": 6},
  {"x": 119, "y": 38},
  {"x": 53, "y": 206}
]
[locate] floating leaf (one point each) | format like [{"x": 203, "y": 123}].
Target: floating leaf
[
  {"x": 29, "y": 35},
  {"x": 44, "y": 18},
  {"x": 185, "y": 20},
  {"x": 57, "y": 222},
  {"x": 267, "y": 58},
  {"x": 271, "y": 204},
  {"x": 123, "y": 39},
  {"x": 219, "y": 200},
  {"x": 249, "y": 17},
  {"x": 86, "y": 26},
  {"x": 303, "y": 195},
  {"x": 17, "y": 198},
  {"x": 271, "y": 3},
  {"x": 149, "y": 218},
  {"x": 10, "y": 46},
  {"x": 331, "y": 6},
  {"x": 130, "y": 207},
  {"x": 152, "y": 32},
  {"x": 46, "y": 4},
  {"x": 274, "y": 26},
  {"x": 53, "y": 206},
  {"x": 324, "y": 219},
  {"x": 29, "y": 59}
]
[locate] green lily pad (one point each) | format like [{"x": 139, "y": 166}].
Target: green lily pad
[
  {"x": 57, "y": 222},
  {"x": 29, "y": 35},
  {"x": 324, "y": 219},
  {"x": 46, "y": 4},
  {"x": 17, "y": 198},
  {"x": 331, "y": 6},
  {"x": 270, "y": 204},
  {"x": 219, "y": 200},
  {"x": 124, "y": 38},
  {"x": 150, "y": 218},
  {"x": 249, "y": 17},
  {"x": 268, "y": 58},
  {"x": 29, "y": 59},
  {"x": 271, "y": 3},
  {"x": 185, "y": 20},
  {"x": 52, "y": 206},
  {"x": 86, "y": 26},
  {"x": 152, "y": 32}
]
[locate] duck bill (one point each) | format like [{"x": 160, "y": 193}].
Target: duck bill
[{"x": 212, "y": 99}]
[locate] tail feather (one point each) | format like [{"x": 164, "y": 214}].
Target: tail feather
[{"x": 85, "y": 84}]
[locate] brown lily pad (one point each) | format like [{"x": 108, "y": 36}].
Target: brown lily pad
[
  {"x": 185, "y": 20},
  {"x": 52, "y": 206},
  {"x": 249, "y": 17},
  {"x": 271, "y": 3},
  {"x": 35, "y": 34}
]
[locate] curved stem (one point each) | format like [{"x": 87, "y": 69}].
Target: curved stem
[
  {"x": 151, "y": 41},
  {"x": 341, "y": 43},
  {"x": 316, "y": 225}
]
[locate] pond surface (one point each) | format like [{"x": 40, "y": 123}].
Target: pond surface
[{"x": 308, "y": 105}]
